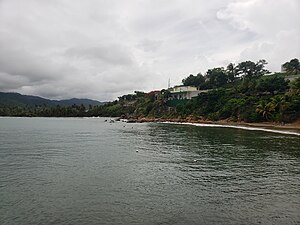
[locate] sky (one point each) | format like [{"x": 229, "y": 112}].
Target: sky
[{"x": 102, "y": 49}]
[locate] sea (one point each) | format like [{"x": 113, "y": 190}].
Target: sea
[{"x": 90, "y": 171}]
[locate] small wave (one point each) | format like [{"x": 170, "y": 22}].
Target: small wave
[{"x": 237, "y": 127}]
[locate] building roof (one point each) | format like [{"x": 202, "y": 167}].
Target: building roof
[{"x": 153, "y": 92}]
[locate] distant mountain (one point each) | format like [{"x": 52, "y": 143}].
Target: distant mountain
[
  {"x": 16, "y": 99},
  {"x": 78, "y": 101}
]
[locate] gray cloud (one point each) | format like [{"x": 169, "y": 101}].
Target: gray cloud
[
  {"x": 112, "y": 54},
  {"x": 103, "y": 49}
]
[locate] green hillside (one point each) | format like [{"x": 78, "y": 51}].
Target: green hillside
[{"x": 16, "y": 99}]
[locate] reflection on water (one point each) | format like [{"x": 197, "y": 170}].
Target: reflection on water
[{"x": 85, "y": 171}]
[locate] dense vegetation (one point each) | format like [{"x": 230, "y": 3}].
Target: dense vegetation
[
  {"x": 15, "y": 104},
  {"x": 242, "y": 92}
]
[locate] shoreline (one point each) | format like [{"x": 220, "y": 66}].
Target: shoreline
[
  {"x": 293, "y": 128},
  {"x": 290, "y": 128}
]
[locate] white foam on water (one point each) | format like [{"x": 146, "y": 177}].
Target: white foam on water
[{"x": 237, "y": 127}]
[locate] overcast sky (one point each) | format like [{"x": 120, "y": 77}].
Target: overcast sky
[{"x": 102, "y": 49}]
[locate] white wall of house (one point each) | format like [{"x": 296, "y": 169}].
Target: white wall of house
[
  {"x": 186, "y": 95},
  {"x": 185, "y": 92},
  {"x": 182, "y": 89}
]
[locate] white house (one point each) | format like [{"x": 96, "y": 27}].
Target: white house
[{"x": 185, "y": 92}]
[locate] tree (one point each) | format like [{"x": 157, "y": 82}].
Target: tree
[
  {"x": 249, "y": 69},
  {"x": 216, "y": 77},
  {"x": 127, "y": 97},
  {"x": 295, "y": 87},
  {"x": 139, "y": 94},
  {"x": 292, "y": 66},
  {"x": 265, "y": 109},
  {"x": 272, "y": 84},
  {"x": 280, "y": 104},
  {"x": 231, "y": 72},
  {"x": 296, "y": 83},
  {"x": 195, "y": 81},
  {"x": 165, "y": 94}
]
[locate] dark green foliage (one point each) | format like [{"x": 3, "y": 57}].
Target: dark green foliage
[
  {"x": 249, "y": 69},
  {"x": 295, "y": 85},
  {"x": 232, "y": 108},
  {"x": 196, "y": 81},
  {"x": 292, "y": 66},
  {"x": 231, "y": 73},
  {"x": 272, "y": 84},
  {"x": 54, "y": 111},
  {"x": 217, "y": 77}
]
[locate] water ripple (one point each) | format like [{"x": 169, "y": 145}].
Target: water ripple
[{"x": 85, "y": 171}]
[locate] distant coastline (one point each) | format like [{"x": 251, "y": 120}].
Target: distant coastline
[
  {"x": 289, "y": 128},
  {"x": 243, "y": 92}
]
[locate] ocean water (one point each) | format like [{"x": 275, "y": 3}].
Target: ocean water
[{"x": 87, "y": 171}]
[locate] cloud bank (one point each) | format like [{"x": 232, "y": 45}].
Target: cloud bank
[{"x": 103, "y": 49}]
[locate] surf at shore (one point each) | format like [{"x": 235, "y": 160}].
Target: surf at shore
[{"x": 259, "y": 127}]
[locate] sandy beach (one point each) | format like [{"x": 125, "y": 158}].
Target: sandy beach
[{"x": 291, "y": 127}]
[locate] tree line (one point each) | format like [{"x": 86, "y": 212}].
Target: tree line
[{"x": 243, "y": 92}]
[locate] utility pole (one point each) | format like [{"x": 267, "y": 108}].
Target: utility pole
[{"x": 169, "y": 83}]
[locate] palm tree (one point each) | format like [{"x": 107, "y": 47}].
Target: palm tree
[
  {"x": 266, "y": 109},
  {"x": 280, "y": 104}
]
